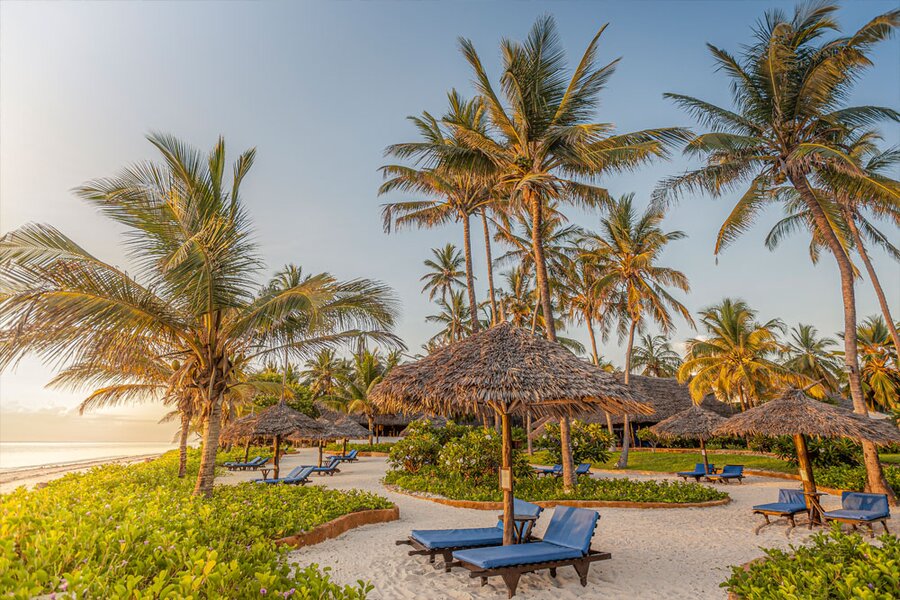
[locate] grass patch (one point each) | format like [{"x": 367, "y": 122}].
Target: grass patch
[
  {"x": 550, "y": 488},
  {"x": 832, "y": 565},
  {"x": 135, "y": 531},
  {"x": 384, "y": 447}
]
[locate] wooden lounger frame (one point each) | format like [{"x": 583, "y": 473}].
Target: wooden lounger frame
[
  {"x": 857, "y": 522},
  {"x": 512, "y": 573},
  {"x": 713, "y": 478},
  {"x": 778, "y": 513},
  {"x": 420, "y": 549}
]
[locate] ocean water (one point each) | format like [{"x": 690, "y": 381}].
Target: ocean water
[{"x": 21, "y": 455}]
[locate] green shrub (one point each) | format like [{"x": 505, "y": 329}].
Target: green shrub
[
  {"x": 382, "y": 447},
  {"x": 550, "y": 488},
  {"x": 477, "y": 456},
  {"x": 590, "y": 442},
  {"x": 415, "y": 451},
  {"x": 137, "y": 532},
  {"x": 853, "y": 478},
  {"x": 823, "y": 452},
  {"x": 832, "y": 565}
]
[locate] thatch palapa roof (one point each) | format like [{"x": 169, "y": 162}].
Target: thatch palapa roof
[
  {"x": 504, "y": 369},
  {"x": 696, "y": 423},
  {"x": 795, "y": 413},
  {"x": 274, "y": 421},
  {"x": 666, "y": 396}
]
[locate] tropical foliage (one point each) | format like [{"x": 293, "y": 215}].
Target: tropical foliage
[{"x": 590, "y": 442}]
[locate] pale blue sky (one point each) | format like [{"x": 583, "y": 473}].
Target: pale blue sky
[{"x": 320, "y": 88}]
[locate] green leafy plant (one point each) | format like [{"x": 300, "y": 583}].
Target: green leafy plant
[
  {"x": 415, "y": 451},
  {"x": 590, "y": 442},
  {"x": 833, "y": 565},
  {"x": 477, "y": 456},
  {"x": 137, "y": 532}
]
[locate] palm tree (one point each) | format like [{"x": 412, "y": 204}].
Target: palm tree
[
  {"x": 880, "y": 367},
  {"x": 192, "y": 288},
  {"x": 655, "y": 355},
  {"x": 367, "y": 369},
  {"x": 453, "y": 316},
  {"x": 322, "y": 372},
  {"x": 737, "y": 358},
  {"x": 445, "y": 274},
  {"x": 808, "y": 354},
  {"x": 627, "y": 252},
  {"x": 518, "y": 304},
  {"x": 457, "y": 193},
  {"x": 789, "y": 120}
]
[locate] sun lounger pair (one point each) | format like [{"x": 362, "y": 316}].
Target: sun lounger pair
[
  {"x": 329, "y": 469},
  {"x": 431, "y": 542},
  {"x": 861, "y": 509},
  {"x": 728, "y": 473},
  {"x": 557, "y": 470},
  {"x": 297, "y": 476},
  {"x": 566, "y": 542},
  {"x": 698, "y": 472},
  {"x": 790, "y": 503},
  {"x": 249, "y": 465},
  {"x": 349, "y": 457}
]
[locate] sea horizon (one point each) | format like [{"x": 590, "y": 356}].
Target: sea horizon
[{"x": 20, "y": 455}]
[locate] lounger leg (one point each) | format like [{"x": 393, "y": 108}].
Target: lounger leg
[
  {"x": 483, "y": 581},
  {"x": 448, "y": 559},
  {"x": 553, "y": 572},
  {"x": 871, "y": 530},
  {"x": 431, "y": 558},
  {"x": 511, "y": 580},
  {"x": 582, "y": 567},
  {"x": 884, "y": 524}
]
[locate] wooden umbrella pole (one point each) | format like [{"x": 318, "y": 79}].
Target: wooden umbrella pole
[
  {"x": 277, "y": 451},
  {"x": 344, "y": 448},
  {"x": 806, "y": 474},
  {"x": 247, "y": 450},
  {"x": 320, "y": 453},
  {"x": 705, "y": 458},
  {"x": 506, "y": 481}
]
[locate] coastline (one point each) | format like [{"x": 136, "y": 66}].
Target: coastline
[{"x": 29, "y": 477}]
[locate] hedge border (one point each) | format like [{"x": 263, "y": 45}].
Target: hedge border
[
  {"x": 487, "y": 505},
  {"x": 342, "y": 524}
]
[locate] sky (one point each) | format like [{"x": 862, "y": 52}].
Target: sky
[{"x": 320, "y": 89}]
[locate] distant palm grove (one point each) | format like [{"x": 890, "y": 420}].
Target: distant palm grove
[{"x": 196, "y": 323}]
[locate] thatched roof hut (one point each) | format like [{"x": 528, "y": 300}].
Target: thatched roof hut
[
  {"x": 504, "y": 368},
  {"x": 666, "y": 396},
  {"x": 696, "y": 423},
  {"x": 435, "y": 422}
]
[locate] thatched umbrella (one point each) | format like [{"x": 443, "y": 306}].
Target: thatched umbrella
[
  {"x": 342, "y": 424},
  {"x": 504, "y": 370},
  {"x": 797, "y": 415},
  {"x": 695, "y": 423},
  {"x": 274, "y": 423},
  {"x": 240, "y": 429}
]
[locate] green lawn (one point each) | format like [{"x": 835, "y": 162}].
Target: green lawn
[
  {"x": 893, "y": 459},
  {"x": 671, "y": 462}
]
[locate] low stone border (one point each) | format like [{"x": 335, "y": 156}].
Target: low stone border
[
  {"x": 378, "y": 454},
  {"x": 342, "y": 524},
  {"x": 484, "y": 505}
]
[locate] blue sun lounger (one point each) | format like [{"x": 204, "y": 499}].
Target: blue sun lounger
[
  {"x": 349, "y": 457},
  {"x": 698, "y": 472},
  {"x": 790, "y": 503},
  {"x": 330, "y": 469},
  {"x": 297, "y": 476},
  {"x": 431, "y": 542},
  {"x": 253, "y": 464},
  {"x": 728, "y": 473},
  {"x": 858, "y": 508},
  {"x": 566, "y": 542},
  {"x": 554, "y": 470}
]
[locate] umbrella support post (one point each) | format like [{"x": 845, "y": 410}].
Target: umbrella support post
[
  {"x": 705, "y": 457},
  {"x": 506, "y": 481},
  {"x": 806, "y": 476},
  {"x": 247, "y": 450},
  {"x": 344, "y": 448},
  {"x": 320, "y": 453},
  {"x": 277, "y": 451}
]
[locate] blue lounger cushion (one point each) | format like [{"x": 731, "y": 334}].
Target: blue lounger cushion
[
  {"x": 698, "y": 470},
  {"x": 516, "y": 554},
  {"x": 436, "y": 539},
  {"x": 789, "y": 502},
  {"x": 856, "y": 515},
  {"x": 572, "y": 528},
  {"x": 583, "y": 469}
]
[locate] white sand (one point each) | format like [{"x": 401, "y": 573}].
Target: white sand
[
  {"x": 30, "y": 477},
  {"x": 656, "y": 553}
]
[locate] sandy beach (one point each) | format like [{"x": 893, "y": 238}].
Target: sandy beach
[
  {"x": 29, "y": 477},
  {"x": 661, "y": 553}
]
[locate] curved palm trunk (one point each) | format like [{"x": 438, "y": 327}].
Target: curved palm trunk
[
  {"x": 876, "y": 283},
  {"x": 543, "y": 285},
  {"x": 470, "y": 279},
  {"x": 626, "y": 434},
  {"x": 182, "y": 443},
  {"x": 874, "y": 474},
  {"x": 371, "y": 421},
  {"x": 490, "y": 266},
  {"x": 212, "y": 427}
]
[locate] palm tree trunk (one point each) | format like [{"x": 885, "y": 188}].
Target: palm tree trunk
[
  {"x": 470, "y": 279},
  {"x": 371, "y": 421},
  {"x": 284, "y": 367},
  {"x": 490, "y": 267},
  {"x": 626, "y": 434},
  {"x": 528, "y": 433},
  {"x": 596, "y": 356},
  {"x": 212, "y": 427},
  {"x": 874, "y": 473},
  {"x": 540, "y": 264},
  {"x": 876, "y": 283},
  {"x": 182, "y": 443}
]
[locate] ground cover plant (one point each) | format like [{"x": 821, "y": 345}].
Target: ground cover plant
[
  {"x": 590, "y": 442},
  {"x": 384, "y": 447},
  {"x": 833, "y": 565},
  {"x": 137, "y": 532}
]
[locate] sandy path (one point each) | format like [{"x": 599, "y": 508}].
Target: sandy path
[{"x": 663, "y": 553}]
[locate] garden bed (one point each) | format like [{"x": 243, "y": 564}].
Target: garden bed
[{"x": 342, "y": 524}]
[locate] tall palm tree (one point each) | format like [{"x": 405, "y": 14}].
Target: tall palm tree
[
  {"x": 655, "y": 356},
  {"x": 810, "y": 355},
  {"x": 453, "y": 316},
  {"x": 789, "y": 119},
  {"x": 627, "y": 252},
  {"x": 367, "y": 369},
  {"x": 445, "y": 272},
  {"x": 192, "y": 287},
  {"x": 880, "y": 367},
  {"x": 454, "y": 193},
  {"x": 322, "y": 372},
  {"x": 517, "y": 306},
  {"x": 737, "y": 359}
]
